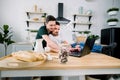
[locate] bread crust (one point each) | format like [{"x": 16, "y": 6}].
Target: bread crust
[{"x": 28, "y": 56}]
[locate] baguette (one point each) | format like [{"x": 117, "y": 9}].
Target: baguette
[
  {"x": 28, "y": 56},
  {"x": 39, "y": 57}
]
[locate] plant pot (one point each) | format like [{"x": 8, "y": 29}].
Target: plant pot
[
  {"x": 43, "y": 19},
  {"x": 112, "y": 23},
  {"x": 111, "y": 13}
]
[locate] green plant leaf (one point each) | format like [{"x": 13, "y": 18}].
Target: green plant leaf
[
  {"x": 80, "y": 32},
  {"x": 1, "y": 38},
  {"x": 33, "y": 30},
  {"x": 10, "y": 42},
  {"x": 1, "y": 30},
  {"x": 44, "y": 15},
  {"x": 5, "y": 35},
  {"x": 93, "y": 36},
  {"x": 0, "y": 35},
  {"x": 9, "y": 37},
  {"x": 87, "y": 32},
  {"x": 6, "y": 31},
  {"x": 113, "y": 9},
  {"x": 112, "y": 19},
  {"x": 5, "y": 27}
]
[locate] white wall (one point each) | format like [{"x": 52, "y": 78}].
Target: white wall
[{"x": 12, "y": 12}]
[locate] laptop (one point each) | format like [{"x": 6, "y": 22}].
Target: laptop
[{"x": 86, "y": 49}]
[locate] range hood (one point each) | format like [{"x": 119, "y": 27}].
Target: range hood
[{"x": 60, "y": 17}]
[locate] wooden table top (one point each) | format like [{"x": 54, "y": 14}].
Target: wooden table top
[{"x": 91, "y": 61}]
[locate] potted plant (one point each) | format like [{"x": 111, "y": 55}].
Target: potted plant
[
  {"x": 43, "y": 17},
  {"x": 91, "y": 39},
  {"x": 112, "y": 11},
  {"x": 84, "y": 32},
  {"x": 87, "y": 32},
  {"x": 34, "y": 31},
  {"x": 112, "y": 21},
  {"x": 5, "y": 37},
  {"x": 81, "y": 33},
  {"x": 93, "y": 36}
]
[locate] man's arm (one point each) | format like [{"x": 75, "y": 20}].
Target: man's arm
[{"x": 50, "y": 43}]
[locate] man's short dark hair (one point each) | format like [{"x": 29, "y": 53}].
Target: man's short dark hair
[
  {"x": 57, "y": 23},
  {"x": 50, "y": 18}
]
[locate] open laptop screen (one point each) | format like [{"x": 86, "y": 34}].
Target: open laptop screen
[{"x": 86, "y": 49}]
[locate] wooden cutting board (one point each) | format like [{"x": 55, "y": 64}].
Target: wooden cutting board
[{"x": 11, "y": 62}]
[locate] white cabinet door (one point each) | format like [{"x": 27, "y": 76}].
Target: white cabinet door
[{"x": 21, "y": 46}]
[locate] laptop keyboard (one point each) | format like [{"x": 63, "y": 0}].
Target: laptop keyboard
[{"x": 75, "y": 54}]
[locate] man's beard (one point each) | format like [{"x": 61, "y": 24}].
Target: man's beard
[
  {"x": 50, "y": 32},
  {"x": 55, "y": 34}
]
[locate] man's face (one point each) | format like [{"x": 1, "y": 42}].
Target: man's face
[
  {"x": 51, "y": 25},
  {"x": 55, "y": 32}
]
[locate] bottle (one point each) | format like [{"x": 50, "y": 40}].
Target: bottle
[
  {"x": 74, "y": 37},
  {"x": 81, "y": 10},
  {"x": 40, "y": 9},
  {"x": 88, "y": 12},
  {"x": 35, "y": 8}
]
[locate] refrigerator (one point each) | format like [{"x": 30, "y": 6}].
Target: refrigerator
[{"x": 110, "y": 35}]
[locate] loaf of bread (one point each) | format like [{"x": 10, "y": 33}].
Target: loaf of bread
[
  {"x": 35, "y": 19},
  {"x": 39, "y": 57},
  {"x": 28, "y": 56}
]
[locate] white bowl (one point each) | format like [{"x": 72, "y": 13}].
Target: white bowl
[
  {"x": 112, "y": 23},
  {"x": 111, "y": 13}
]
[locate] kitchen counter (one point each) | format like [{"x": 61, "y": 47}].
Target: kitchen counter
[{"x": 92, "y": 64}]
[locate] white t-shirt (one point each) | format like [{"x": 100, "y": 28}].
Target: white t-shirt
[{"x": 57, "y": 39}]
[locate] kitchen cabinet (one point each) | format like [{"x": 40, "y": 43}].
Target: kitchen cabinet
[{"x": 22, "y": 46}]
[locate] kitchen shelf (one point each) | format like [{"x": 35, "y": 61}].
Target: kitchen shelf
[
  {"x": 32, "y": 30},
  {"x": 84, "y": 15},
  {"x": 32, "y": 12},
  {"x": 82, "y": 23},
  {"x": 34, "y": 17},
  {"x": 34, "y": 21}
]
